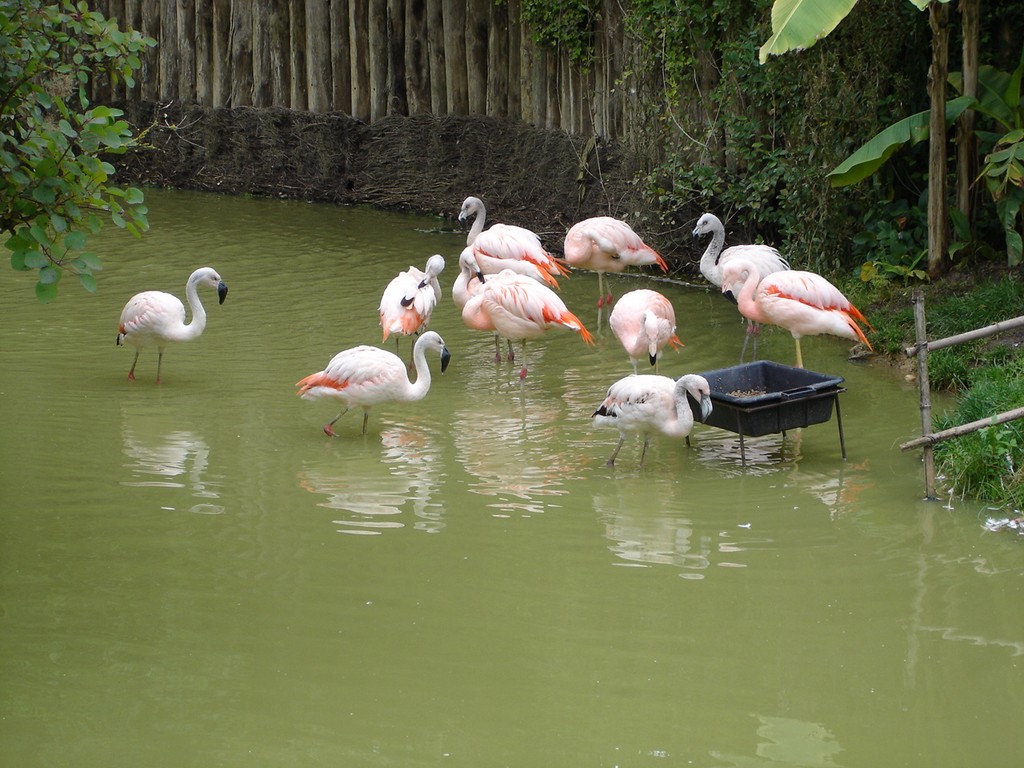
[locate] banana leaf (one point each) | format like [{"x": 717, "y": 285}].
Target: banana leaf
[{"x": 874, "y": 154}]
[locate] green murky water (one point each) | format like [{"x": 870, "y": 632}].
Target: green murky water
[{"x": 192, "y": 574}]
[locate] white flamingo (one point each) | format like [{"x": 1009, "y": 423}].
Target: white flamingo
[
  {"x": 644, "y": 322},
  {"x": 507, "y": 241},
  {"x": 648, "y": 403},
  {"x": 409, "y": 299},
  {"x": 365, "y": 376},
  {"x": 766, "y": 259},
  {"x": 158, "y": 317}
]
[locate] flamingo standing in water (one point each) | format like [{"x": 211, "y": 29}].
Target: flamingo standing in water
[
  {"x": 507, "y": 242},
  {"x": 647, "y": 403},
  {"x": 409, "y": 299},
  {"x": 804, "y": 303},
  {"x": 644, "y": 321},
  {"x": 158, "y": 317},
  {"x": 470, "y": 282},
  {"x": 365, "y": 376},
  {"x": 766, "y": 259},
  {"x": 519, "y": 308},
  {"x": 603, "y": 244}
]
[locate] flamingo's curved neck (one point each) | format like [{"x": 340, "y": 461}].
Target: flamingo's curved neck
[
  {"x": 681, "y": 425},
  {"x": 418, "y": 390},
  {"x": 478, "y": 225},
  {"x": 748, "y": 306},
  {"x": 191, "y": 330},
  {"x": 709, "y": 266}
]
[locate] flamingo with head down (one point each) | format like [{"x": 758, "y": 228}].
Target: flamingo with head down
[
  {"x": 804, "y": 303},
  {"x": 644, "y": 322},
  {"x": 519, "y": 309},
  {"x": 159, "y": 318},
  {"x": 645, "y": 404},
  {"x": 603, "y": 244}
]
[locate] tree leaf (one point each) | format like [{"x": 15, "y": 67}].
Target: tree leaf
[
  {"x": 88, "y": 282},
  {"x": 799, "y": 24},
  {"x": 46, "y": 292},
  {"x": 874, "y": 154},
  {"x": 75, "y": 241}
]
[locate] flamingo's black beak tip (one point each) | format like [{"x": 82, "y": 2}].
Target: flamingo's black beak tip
[
  {"x": 222, "y": 292},
  {"x": 730, "y": 296},
  {"x": 446, "y": 357}
]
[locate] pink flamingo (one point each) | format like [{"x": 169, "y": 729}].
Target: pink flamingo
[
  {"x": 766, "y": 259},
  {"x": 409, "y": 299},
  {"x": 804, "y": 303},
  {"x": 158, "y": 317},
  {"x": 647, "y": 403},
  {"x": 519, "y": 308},
  {"x": 644, "y": 321},
  {"x": 507, "y": 242},
  {"x": 470, "y": 282},
  {"x": 365, "y": 376},
  {"x": 603, "y": 244}
]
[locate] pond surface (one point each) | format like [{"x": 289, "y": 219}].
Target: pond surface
[{"x": 193, "y": 574}]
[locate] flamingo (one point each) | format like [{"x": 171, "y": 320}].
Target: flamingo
[
  {"x": 365, "y": 376},
  {"x": 604, "y": 244},
  {"x": 648, "y": 403},
  {"x": 804, "y": 303},
  {"x": 644, "y": 321},
  {"x": 470, "y": 282},
  {"x": 519, "y": 308},
  {"x": 410, "y": 298},
  {"x": 766, "y": 259},
  {"x": 508, "y": 242},
  {"x": 155, "y": 316}
]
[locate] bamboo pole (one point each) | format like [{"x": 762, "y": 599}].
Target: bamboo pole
[
  {"x": 341, "y": 68},
  {"x": 963, "y": 429},
  {"x": 924, "y": 388},
  {"x": 960, "y": 338},
  {"x": 186, "y": 14}
]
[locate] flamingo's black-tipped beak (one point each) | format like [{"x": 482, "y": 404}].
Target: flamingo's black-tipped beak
[
  {"x": 222, "y": 292},
  {"x": 407, "y": 300},
  {"x": 705, "y": 407},
  {"x": 730, "y": 296},
  {"x": 446, "y": 357},
  {"x": 653, "y": 359},
  {"x": 480, "y": 275}
]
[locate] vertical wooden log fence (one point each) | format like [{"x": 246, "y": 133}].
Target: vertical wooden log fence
[{"x": 373, "y": 58}]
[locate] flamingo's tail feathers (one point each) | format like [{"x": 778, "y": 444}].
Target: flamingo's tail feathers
[
  {"x": 315, "y": 380},
  {"x": 857, "y": 315},
  {"x": 548, "y": 277},
  {"x": 559, "y": 266},
  {"x": 569, "y": 320},
  {"x": 850, "y": 318}
]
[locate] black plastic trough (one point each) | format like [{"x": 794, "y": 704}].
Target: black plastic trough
[{"x": 762, "y": 398}]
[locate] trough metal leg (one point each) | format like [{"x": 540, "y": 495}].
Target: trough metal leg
[{"x": 839, "y": 421}]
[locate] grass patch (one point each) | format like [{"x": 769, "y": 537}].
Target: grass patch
[{"x": 986, "y": 375}]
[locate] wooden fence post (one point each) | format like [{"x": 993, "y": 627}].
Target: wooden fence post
[{"x": 924, "y": 388}]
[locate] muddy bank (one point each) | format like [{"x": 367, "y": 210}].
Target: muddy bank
[{"x": 544, "y": 180}]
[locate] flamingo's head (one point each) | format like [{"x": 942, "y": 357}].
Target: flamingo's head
[
  {"x": 471, "y": 206},
  {"x": 705, "y": 224}
]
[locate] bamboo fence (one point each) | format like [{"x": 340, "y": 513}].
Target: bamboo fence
[{"x": 375, "y": 58}]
